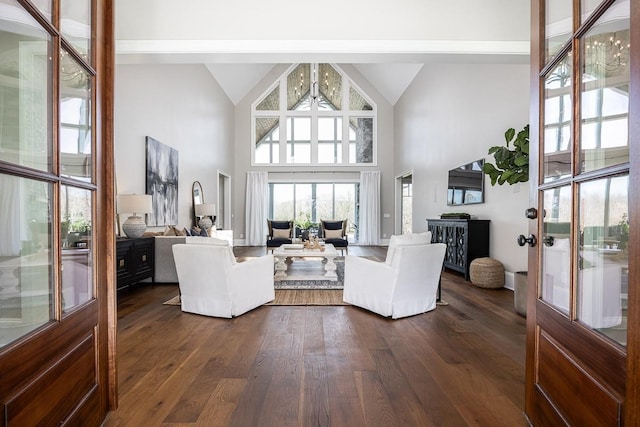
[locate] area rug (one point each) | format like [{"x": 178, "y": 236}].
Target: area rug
[
  {"x": 173, "y": 301},
  {"x": 308, "y": 297},
  {"x": 311, "y": 266},
  {"x": 294, "y": 297}
]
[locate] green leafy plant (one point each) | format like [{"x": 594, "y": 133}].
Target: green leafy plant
[
  {"x": 303, "y": 222},
  {"x": 511, "y": 165}
]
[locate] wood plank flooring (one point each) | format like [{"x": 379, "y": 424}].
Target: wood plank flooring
[{"x": 459, "y": 365}]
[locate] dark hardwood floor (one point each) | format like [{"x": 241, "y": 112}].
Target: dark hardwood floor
[{"x": 459, "y": 365}]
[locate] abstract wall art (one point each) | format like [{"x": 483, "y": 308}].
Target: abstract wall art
[{"x": 162, "y": 182}]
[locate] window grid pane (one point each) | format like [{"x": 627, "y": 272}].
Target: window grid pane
[
  {"x": 557, "y": 122},
  {"x": 75, "y": 24},
  {"x": 26, "y": 282},
  {"x": 603, "y": 264},
  {"x": 75, "y": 119},
  {"x": 25, "y": 91},
  {"x": 77, "y": 246},
  {"x": 605, "y": 91}
]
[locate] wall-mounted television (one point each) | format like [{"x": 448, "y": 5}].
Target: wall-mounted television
[{"x": 466, "y": 184}]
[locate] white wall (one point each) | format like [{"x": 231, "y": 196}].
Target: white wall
[
  {"x": 301, "y": 173},
  {"x": 450, "y": 115},
  {"x": 181, "y": 106}
]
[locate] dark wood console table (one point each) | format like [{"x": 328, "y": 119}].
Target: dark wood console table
[
  {"x": 134, "y": 261},
  {"x": 466, "y": 240}
]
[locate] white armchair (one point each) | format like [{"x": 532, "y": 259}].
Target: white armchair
[
  {"x": 212, "y": 283},
  {"x": 404, "y": 285}
]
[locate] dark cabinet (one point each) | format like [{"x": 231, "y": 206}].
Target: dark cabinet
[
  {"x": 466, "y": 240},
  {"x": 134, "y": 261}
]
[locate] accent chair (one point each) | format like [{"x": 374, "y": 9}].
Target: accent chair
[
  {"x": 335, "y": 233},
  {"x": 404, "y": 285},
  {"x": 212, "y": 283},
  {"x": 280, "y": 233}
]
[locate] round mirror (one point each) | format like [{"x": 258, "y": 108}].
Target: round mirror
[{"x": 198, "y": 198}]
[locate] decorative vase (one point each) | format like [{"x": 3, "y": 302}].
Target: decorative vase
[
  {"x": 520, "y": 292},
  {"x": 134, "y": 227}
]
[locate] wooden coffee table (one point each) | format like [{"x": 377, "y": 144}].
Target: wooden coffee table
[{"x": 291, "y": 251}]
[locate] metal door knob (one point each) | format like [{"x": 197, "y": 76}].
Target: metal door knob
[{"x": 531, "y": 240}]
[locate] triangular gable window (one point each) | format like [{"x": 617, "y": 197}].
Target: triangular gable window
[{"x": 328, "y": 120}]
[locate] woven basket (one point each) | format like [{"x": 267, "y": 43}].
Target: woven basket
[{"x": 487, "y": 273}]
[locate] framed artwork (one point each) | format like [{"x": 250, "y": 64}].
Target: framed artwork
[{"x": 162, "y": 182}]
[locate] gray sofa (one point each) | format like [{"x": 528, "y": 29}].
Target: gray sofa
[{"x": 164, "y": 265}]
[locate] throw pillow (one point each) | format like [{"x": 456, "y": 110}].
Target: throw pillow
[
  {"x": 170, "y": 231},
  {"x": 333, "y": 234},
  {"x": 177, "y": 231},
  {"x": 279, "y": 233},
  {"x": 332, "y": 225},
  {"x": 195, "y": 231}
]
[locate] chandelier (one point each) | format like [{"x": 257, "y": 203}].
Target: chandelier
[{"x": 605, "y": 53}]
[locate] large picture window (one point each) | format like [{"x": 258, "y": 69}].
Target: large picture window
[
  {"x": 328, "y": 120},
  {"x": 308, "y": 203}
]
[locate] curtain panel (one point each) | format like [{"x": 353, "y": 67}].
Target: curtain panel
[
  {"x": 369, "y": 225},
  {"x": 257, "y": 207}
]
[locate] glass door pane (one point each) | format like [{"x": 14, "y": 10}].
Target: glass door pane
[
  {"x": 603, "y": 260},
  {"x": 558, "y": 25},
  {"x": 75, "y": 119},
  {"x": 587, "y": 7},
  {"x": 25, "y": 90},
  {"x": 604, "y": 139},
  {"x": 44, "y": 6},
  {"x": 77, "y": 246},
  {"x": 557, "y": 122},
  {"x": 26, "y": 286},
  {"x": 556, "y": 249},
  {"x": 75, "y": 24}
]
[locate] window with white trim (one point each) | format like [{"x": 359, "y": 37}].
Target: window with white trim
[{"x": 314, "y": 115}]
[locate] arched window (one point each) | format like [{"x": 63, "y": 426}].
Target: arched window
[{"x": 314, "y": 115}]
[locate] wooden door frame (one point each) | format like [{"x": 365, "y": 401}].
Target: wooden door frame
[
  {"x": 632, "y": 402},
  {"x": 105, "y": 232}
]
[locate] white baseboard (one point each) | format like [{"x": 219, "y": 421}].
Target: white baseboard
[{"x": 509, "y": 279}]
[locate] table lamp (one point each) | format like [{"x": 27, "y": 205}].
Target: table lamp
[
  {"x": 206, "y": 212},
  {"x": 134, "y": 204}
]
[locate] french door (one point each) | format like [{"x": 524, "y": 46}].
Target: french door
[
  {"x": 582, "y": 349},
  {"x": 57, "y": 311}
]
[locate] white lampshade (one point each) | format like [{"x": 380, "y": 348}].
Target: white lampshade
[
  {"x": 206, "y": 209},
  {"x": 134, "y": 203}
]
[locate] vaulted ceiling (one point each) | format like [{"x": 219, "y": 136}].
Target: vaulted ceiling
[{"x": 389, "y": 46}]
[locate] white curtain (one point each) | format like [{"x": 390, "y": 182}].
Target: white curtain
[
  {"x": 257, "y": 206},
  {"x": 369, "y": 226}
]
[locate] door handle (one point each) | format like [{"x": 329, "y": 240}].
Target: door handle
[
  {"x": 531, "y": 240},
  {"x": 531, "y": 213}
]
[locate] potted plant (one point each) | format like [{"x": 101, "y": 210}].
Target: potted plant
[
  {"x": 303, "y": 224},
  {"x": 511, "y": 167}
]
